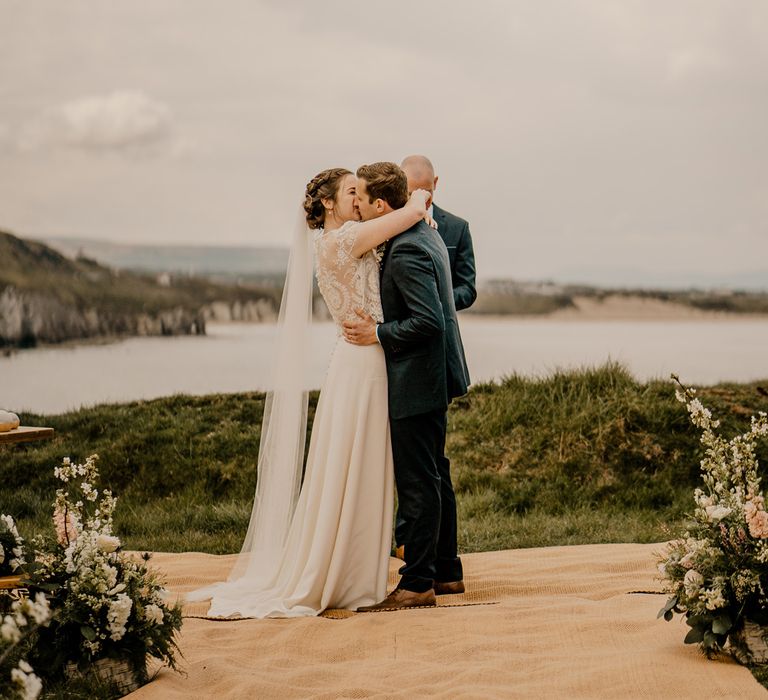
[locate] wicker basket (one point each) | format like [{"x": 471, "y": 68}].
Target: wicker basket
[
  {"x": 749, "y": 644},
  {"x": 119, "y": 671}
]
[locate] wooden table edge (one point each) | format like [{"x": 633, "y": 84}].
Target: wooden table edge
[{"x": 25, "y": 433}]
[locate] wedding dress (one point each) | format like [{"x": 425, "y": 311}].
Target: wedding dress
[{"x": 336, "y": 553}]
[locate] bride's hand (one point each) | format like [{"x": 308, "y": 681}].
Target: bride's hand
[{"x": 419, "y": 199}]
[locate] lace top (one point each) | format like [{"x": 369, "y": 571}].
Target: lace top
[{"x": 346, "y": 283}]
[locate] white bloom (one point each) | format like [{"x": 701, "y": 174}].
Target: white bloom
[
  {"x": 110, "y": 574},
  {"x": 696, "y": 408},
  {"x": 19, "y": 617},
  {"x": 692, "y": 582},
  {"x": 9, "y": 630},
  {"x": 38, "y": 609},
  {"x": 154, "y": 613},
  {"x": 107, "y": 543},
  {"x": 29, "y": 685},
  {"x": 90, "y": 493},
  {"x": 715, "y": 513},
  {"x": 663, "y": 568},
  {"x": 118, "y": 614},
  {"x": 687, "y": 560},
  {"x": 713, "y": 598}
]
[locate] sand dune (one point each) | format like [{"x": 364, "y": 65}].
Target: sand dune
[
  {"x": 561, "y": 622},
  {"x": 636, "y": 308}
]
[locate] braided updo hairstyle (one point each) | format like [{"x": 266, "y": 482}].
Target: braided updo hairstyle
[{"x": 324, "y": 185}]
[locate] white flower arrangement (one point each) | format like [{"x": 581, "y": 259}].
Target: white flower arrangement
[
  {"x": 717, "y": 573},
  {"x": 107, "y": 605}
]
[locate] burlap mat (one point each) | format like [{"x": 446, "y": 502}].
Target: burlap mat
[{"x": 566, "y": 625}]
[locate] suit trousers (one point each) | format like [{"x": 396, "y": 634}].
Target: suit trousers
[{"x": 426, "y": 519}]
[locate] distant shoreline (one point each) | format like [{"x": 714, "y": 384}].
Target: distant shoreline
[
  {"x": 610, "y": 308},
  {"x": 621, "y": 307}
]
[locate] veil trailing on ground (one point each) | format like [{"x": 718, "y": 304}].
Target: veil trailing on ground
[{"x": 283, "y": 436}]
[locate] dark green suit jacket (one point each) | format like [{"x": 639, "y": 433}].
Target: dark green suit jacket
[
  {"x": 420, "y": 336},
  {"x": 455, "y": 232}
]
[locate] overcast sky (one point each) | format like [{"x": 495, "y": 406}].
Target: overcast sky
[{"x": 580, "y": 138}]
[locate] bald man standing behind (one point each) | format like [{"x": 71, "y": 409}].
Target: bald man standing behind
[
  {"x": 453, "y": 230},
  {"x": 455, "y": 234}
]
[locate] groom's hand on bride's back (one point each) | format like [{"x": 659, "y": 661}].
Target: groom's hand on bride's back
[{"x": 361, "y": 331}]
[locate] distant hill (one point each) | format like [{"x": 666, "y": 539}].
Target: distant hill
[
  {"x": 510, "y": 297},
  {"x": 647, "y": 294},
  {"x": 754, "y": 280},
  {"x": 251, "y": 262},
  {"x": 47, "y": 297}
]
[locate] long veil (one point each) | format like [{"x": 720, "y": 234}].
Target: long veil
[{"x": 283, "y": 436}]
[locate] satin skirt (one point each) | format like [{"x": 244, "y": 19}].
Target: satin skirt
[{"x": 338, "y": 546}]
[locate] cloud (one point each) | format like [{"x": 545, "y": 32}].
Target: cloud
[{"x": 121, "y": 120}]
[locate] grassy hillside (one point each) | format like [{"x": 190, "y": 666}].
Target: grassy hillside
[
  {"x": 34, "y": 267},
  {"x": 577, "y": 457},
  {"x": 46, "y": 297}
]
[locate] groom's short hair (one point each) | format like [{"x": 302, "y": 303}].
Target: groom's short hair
[{"x": 385, "y": 181}]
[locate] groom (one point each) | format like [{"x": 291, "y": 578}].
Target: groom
[{"x": 425, "y": 370}]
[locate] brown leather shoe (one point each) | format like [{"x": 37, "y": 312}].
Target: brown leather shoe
[
  {"x": 449, "y": 587},
  {"x": 400, "y": 599}
]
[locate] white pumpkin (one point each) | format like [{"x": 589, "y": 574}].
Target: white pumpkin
[{"x": 8, "y": 421}]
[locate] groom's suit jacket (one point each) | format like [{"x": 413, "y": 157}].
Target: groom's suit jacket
[
  {"x": 455, "y": 232},
  {"x": 426, "y": 367}
]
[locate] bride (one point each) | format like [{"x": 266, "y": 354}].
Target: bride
[{"x": 330, "y": 547}]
